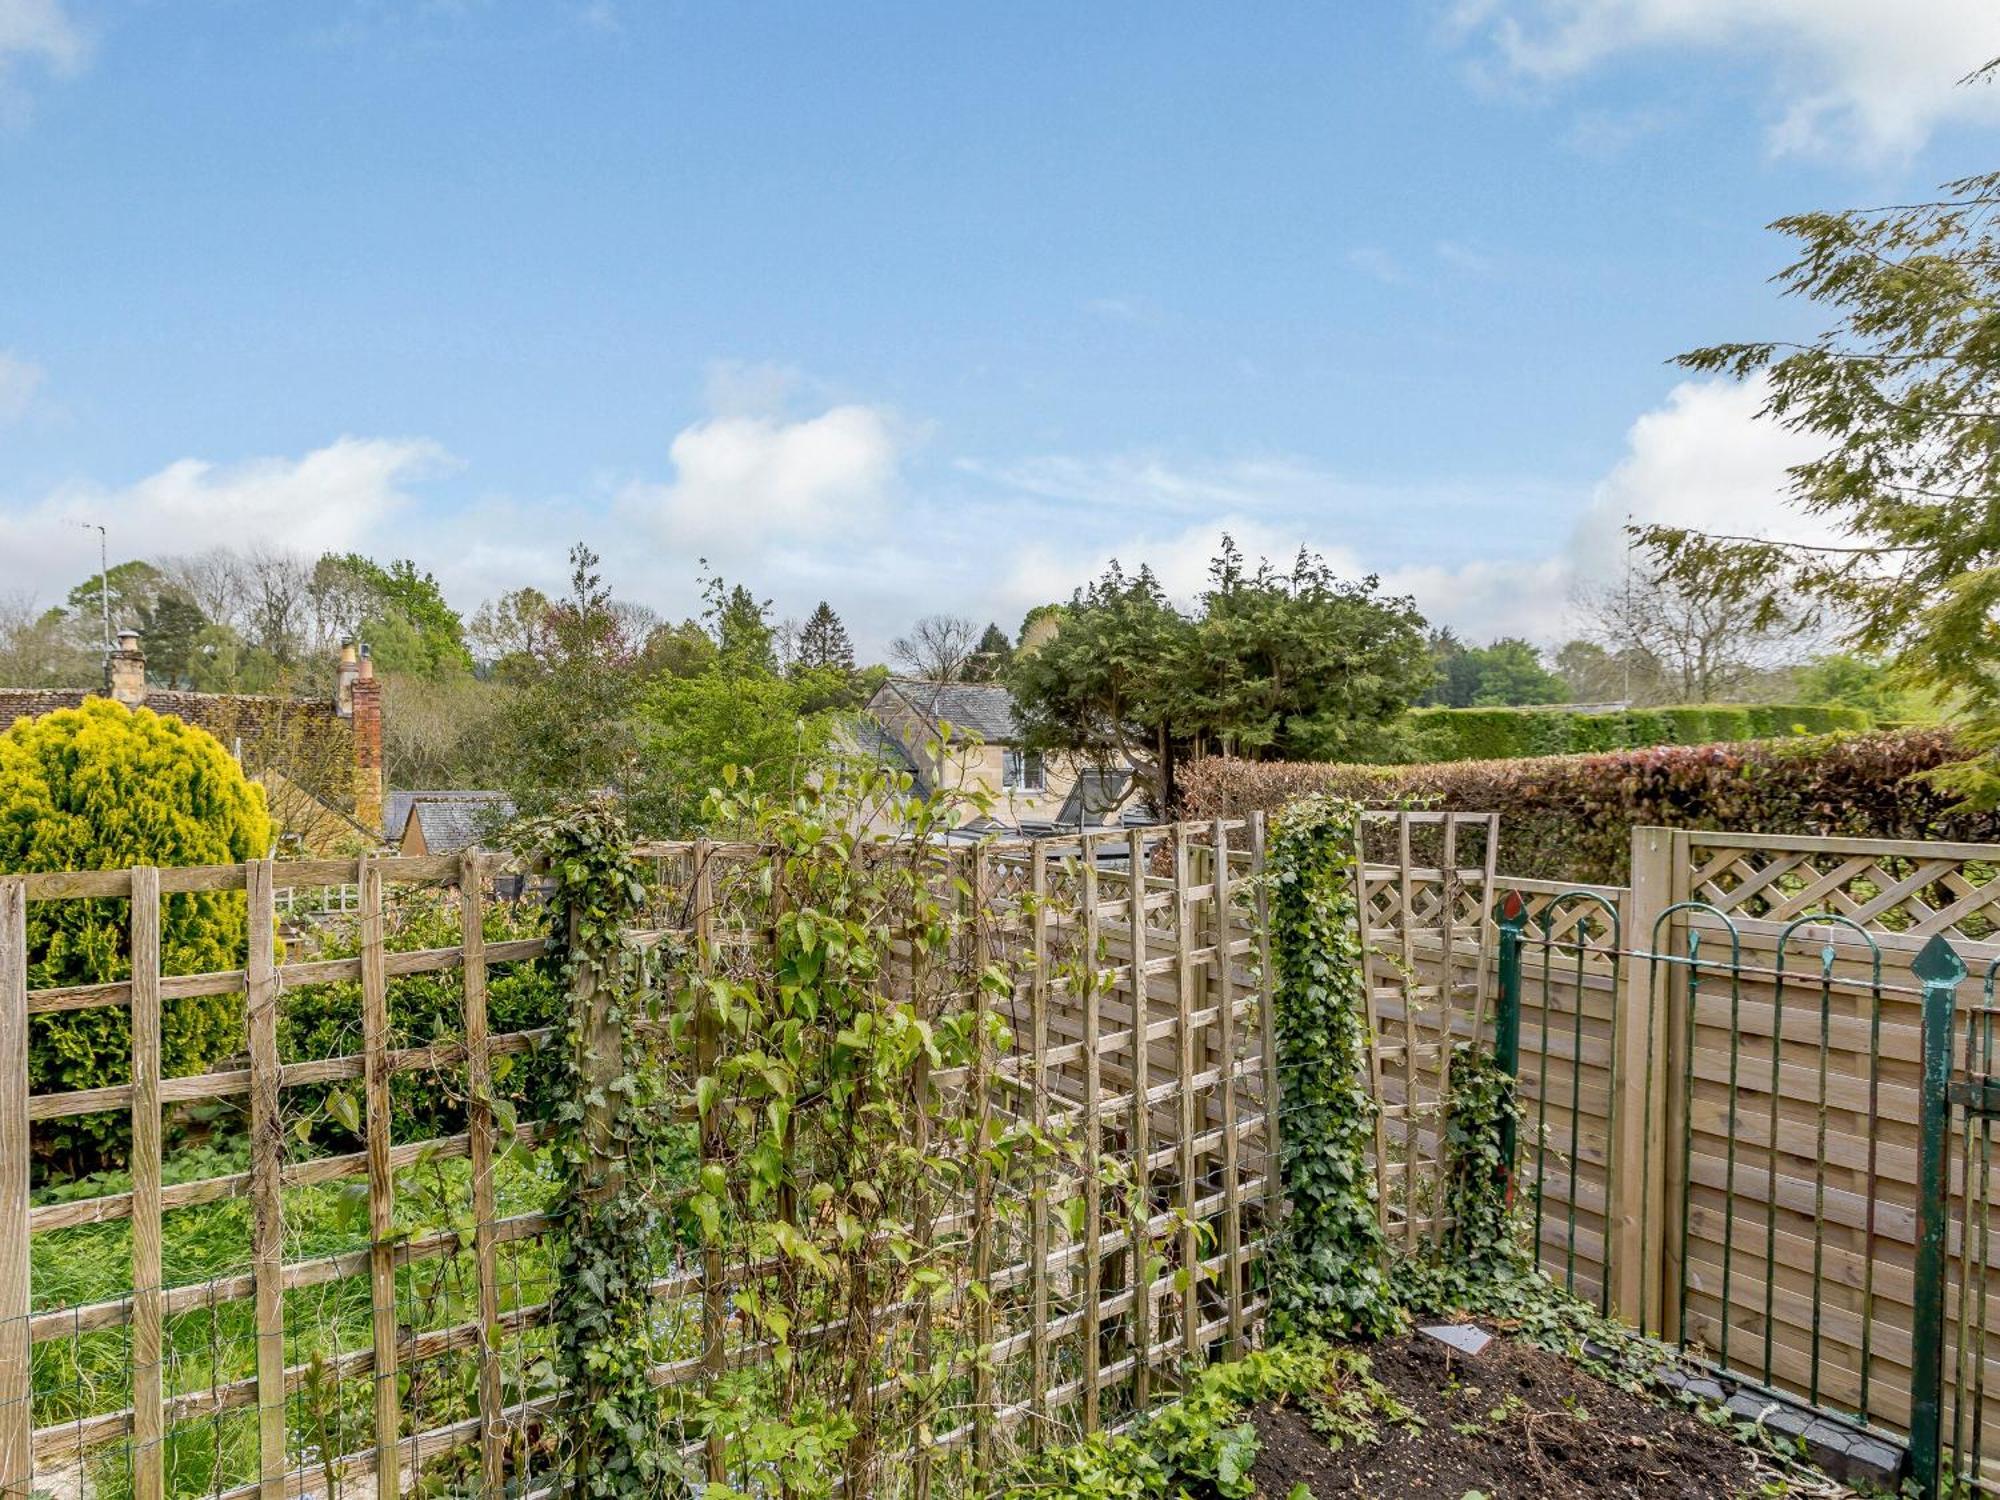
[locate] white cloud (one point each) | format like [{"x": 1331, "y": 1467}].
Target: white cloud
[
  {"x": 335, "y": 498},
  {"x": 1866, "y": 75},
  {"x": 1702, "y": 459},
  {"x": 745, "y": 484},
  {"x": 35, "y": 31},
  {"x": 1154, "y": 482},
  {"x": 20, "y": 379}
]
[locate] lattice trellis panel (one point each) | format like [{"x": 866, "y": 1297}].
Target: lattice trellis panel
[
  {"x": 1910, "y": 891},
  {"x": 1425, "y": 882}
]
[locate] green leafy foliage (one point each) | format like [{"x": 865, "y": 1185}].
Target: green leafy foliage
[
  {"x": 1442, "y": 734},
  {"x": 1199, "y": 1444},
  {"x": 824, "y": 644},
  {"x": 1510, "y": 671},
  {"x": 1273, "y": 662},
  {"x": 567, "y": 732},
  {"x": 690, "y": 728},
  {"x": 104, "y": 787},
  {"x": 1901, "y": 391},
  {"x": 614, "y": 1132},
  {"x": 1485, "y": 1242},
  {"x": 1327, "y": 1273},
  {"x": 324, "y": 1020}
]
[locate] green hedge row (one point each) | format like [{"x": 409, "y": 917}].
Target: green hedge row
[
  {"x": 1570, "y": 817},
  {"x": 1514, "y": 733}
]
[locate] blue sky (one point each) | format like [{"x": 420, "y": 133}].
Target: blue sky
[{"x": 923, "y": 307}]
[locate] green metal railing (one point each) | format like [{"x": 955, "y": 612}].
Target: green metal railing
[
  {"x": 1706, "y": 978},
  {"x": 1576, "y": 910}
]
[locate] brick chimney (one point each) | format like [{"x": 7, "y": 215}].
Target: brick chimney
[
  {"x": 365, "y": 709},
  {"x": 125, "y": 670}
]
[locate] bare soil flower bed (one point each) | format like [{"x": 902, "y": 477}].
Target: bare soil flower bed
[{"x": 1514, "y": 1421}]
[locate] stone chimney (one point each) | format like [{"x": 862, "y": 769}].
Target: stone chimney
[
  {"x": 125, "y": 670},
  {"x": 365, "y": 710},
  {"x": 343, "y": 680}
]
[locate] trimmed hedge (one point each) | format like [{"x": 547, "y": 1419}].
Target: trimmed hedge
[
  {"x": 1570, "y": 817},
  {"x": 1444, "y": 734},
  {"x": 105, "y": 787}
]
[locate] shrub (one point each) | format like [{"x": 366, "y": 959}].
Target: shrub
[
  {"x": 104, "y": 787},
  {"x": 1443, "y": 734},
  {"x": 1569, "y": 817},
  {"x": 324, "y": 1020}
]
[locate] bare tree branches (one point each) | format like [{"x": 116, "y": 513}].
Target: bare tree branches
[{"x": 939, "y": 648}]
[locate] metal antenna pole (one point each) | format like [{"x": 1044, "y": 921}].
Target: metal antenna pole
[
  {"x": 103, "y": 577},
  {"x": 1626, "y": 654}
]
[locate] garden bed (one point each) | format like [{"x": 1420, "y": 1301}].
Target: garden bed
[{"x": 1417, "y": 1419}]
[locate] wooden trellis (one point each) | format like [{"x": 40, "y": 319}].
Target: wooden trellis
[
  {"x": 1137, "y": 969},
  {"x": 1425, "y": 880}
]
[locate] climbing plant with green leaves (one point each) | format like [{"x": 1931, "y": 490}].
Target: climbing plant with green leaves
[
  {"x": 1328, "y": 1277},
  {"x": 830, "y": 1150},
  {"x": 1484, "y": 1245},
  {"x": 616, "y": 1147}
]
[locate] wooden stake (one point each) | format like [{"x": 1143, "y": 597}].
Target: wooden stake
[
  {"x": 480, "y": 1130},
  {"x": 1093, "y": 1204},
  {"x": 1142, "y": 1147},
  {"x": 148, "y": 1324},
  {"x": 381, "y": 1182},
  {"x": 1184, "y": 1037},
  {"x": 17, "y": 1418},
  {"x": 267, "y": 1153},
  {"x": 1225, "y": 993},
  {"x": 1038, "y": 1201}
]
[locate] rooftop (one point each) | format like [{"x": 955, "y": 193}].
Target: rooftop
[{"x": 982, "y": 709}]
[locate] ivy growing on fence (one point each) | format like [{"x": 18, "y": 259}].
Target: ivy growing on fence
[
  {"x": 1328, "y": 1277},
  {"x": 614, "y": 1137},
  {"x": 1483, "y": 1246}
]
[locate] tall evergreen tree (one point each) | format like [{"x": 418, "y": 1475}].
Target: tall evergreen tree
[
  {"x": 824, "y": 644},
  {"x": 990, "y": 657},
  {"x": 1901, "y": 390}
]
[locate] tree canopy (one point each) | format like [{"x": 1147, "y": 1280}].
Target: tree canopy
[
  {"x": 1903, "y": 388},
  {"x": 1506, "y": 674},
  {"x": 1271, "y": 662}
]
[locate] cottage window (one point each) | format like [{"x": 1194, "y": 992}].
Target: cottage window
[{"x": 1021, "y": 771}]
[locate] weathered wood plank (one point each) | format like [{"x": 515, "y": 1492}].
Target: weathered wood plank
[
  {"x": 148, "y": 1385},
  {"x": 267, "y": 1161}
]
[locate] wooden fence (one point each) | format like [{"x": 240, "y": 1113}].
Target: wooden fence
[
  {"x": 323, "y": 1267},
  {"x": 1719, "y": 1076}
]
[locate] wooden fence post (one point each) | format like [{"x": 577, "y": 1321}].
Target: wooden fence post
[
  {"x": 1141, "y": 1134},
  {"x": 1639, "y": 1232},
  {"x": 481, "y": 1144},
  {"x": 148, "y": 1387},
  {"x": 381, "y": 1182},
  {"x": 267, "y": 1161},
  {"x": 17, "y": 1417}
]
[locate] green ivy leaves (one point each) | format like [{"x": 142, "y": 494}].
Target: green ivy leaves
[{"x": 1328, "y": 1276}]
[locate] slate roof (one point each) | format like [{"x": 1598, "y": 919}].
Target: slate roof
[
  {"x": 452, "y": 821},
  {"x": 873, "y": 740},
  {"x": 985, "y": 709}
]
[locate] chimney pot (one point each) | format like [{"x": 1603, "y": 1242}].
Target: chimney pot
[{"x": 344, "y": 676}]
